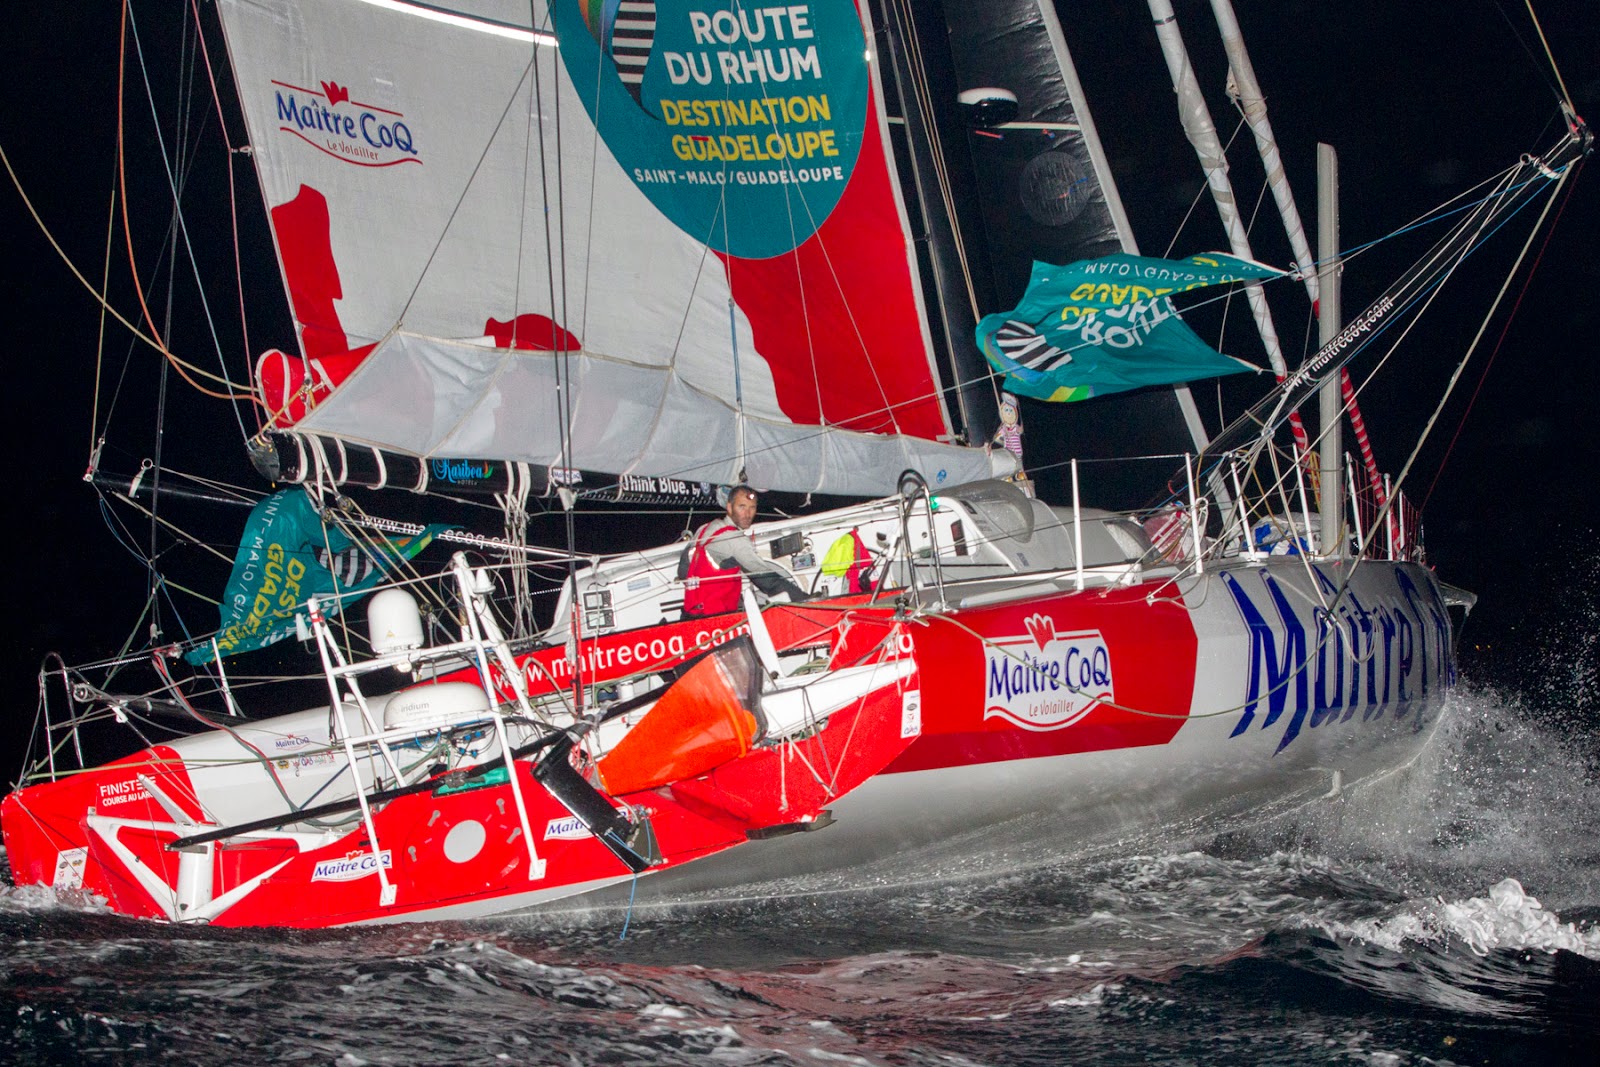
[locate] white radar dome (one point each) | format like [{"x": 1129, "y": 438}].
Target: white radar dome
[
  {"x": 435, "y": 704},
  {"x": 393, "y": 623}
]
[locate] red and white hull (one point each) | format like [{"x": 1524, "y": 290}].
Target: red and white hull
[{"x": 1099, "y": 708}]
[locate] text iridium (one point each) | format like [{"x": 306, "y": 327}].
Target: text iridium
[{"x": 1370, "y": 659}]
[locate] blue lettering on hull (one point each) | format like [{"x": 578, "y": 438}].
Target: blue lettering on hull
[{"x": 1373, "y": 658}]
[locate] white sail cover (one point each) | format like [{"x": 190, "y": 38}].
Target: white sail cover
[{"x": 686, "y": 214}]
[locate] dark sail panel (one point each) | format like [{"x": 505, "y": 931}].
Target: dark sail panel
[{"x": 1046, "y": 193}]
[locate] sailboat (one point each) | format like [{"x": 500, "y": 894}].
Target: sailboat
[{"x": 627, "y": 252}]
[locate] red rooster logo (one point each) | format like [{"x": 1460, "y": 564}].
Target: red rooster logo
[
  {"x": 337, "y": 94},
  {"x": 1042, "y": 628}
]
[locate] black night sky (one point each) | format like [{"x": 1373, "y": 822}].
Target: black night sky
[{"x": 1421, "y": 99}]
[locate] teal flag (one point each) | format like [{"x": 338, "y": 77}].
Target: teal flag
[
  {"x": 286, "y": 557},
  {"x": 1104, "y": 325}
]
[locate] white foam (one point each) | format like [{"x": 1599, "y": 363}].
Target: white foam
[
  {"x": 1508, "y": 918},
  {"x": 1092, "y": 998},
  {"x": 37, "y": 898}
]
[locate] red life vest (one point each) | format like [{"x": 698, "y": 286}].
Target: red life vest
[{"x": 709, "y": 589}]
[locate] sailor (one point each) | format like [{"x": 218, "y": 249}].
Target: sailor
[{"x": 720, "y": 553}]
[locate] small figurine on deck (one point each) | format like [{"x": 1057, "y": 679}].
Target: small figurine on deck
[{"x": 1009, "y": 437}]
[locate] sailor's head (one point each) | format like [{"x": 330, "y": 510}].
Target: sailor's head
[{"x": 742, "y": 506}]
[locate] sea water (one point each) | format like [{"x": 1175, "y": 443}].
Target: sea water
[{"x": 1448, "y": 914}]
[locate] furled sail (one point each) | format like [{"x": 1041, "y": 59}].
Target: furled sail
[{"x": 638, "y": 239}]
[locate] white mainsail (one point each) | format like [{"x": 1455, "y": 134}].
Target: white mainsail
[{"x": 707, "y": 249}]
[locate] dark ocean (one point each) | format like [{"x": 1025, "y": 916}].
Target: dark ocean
[{"x": 1449, "y": 914}]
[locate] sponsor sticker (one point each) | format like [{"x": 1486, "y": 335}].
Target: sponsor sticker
[
  {"x": 325, "y": 117},
  {"x": 69, "y": 868},
  {"x": 121, "y": 792},
  {"x": 695, "y": 96},
  {"x": 351, "y": 867},
  {"x": 570, "y": 828},
  {"x": 306, "y": 762},
  {"x": 911, "y": 713},
  {"x": 1044, "y": 680}
]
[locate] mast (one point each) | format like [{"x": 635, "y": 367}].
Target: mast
[{"x": 1329, "y": 320}]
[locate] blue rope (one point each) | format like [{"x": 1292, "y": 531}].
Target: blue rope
[{"x": 628, "y": 917}]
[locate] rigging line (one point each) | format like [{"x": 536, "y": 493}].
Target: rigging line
[
  {"x": 1230, "y": 292},
  {"x": 563, "y": 353},
  {"x": 1499, "y": 343},
  {"x": 705, "y": 253},
  {"x": 924, "y": 96},
  {"x": 259, "y": 756},
  {"x": 1395, "y": 493},
  {"x": 1415, "y": 280},
  {"x": 1454, "y": 206},
  {"x": 889, "y": 407},
  {"x": 561, "y": 242},
  {"x": 160, "y": 584},
  {"x": 1472, "y": 348},
  {"x": 233, "y": 201},
  {"x": 563, "y": 363},
  {"x": 239, "y": 493},
  {"x": 1554, "y": 70},
  {"x": 594, "y": 156},
  {"x": 522, "y": 222},
  {"x": 1226, "y": 311},
  {"x": 918, "y": 76},
  {"x": 122, "y": 177},
  {"x": 514, "y": 501},
  {"x": 1434, "y": 286},
  {"x": 1194, "y": 204},
  {"x": 100, "y": 330},
  {"x": 183, "y": 535},
  {"x": 122, "y": 174},
  {"x": 789, "y": 197},
  {"x": 164, "y": 379},
  {"x": 740, "y": 457},
  {"x": 99, "y": 296},
  {"x": 919, "y": 92}
]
